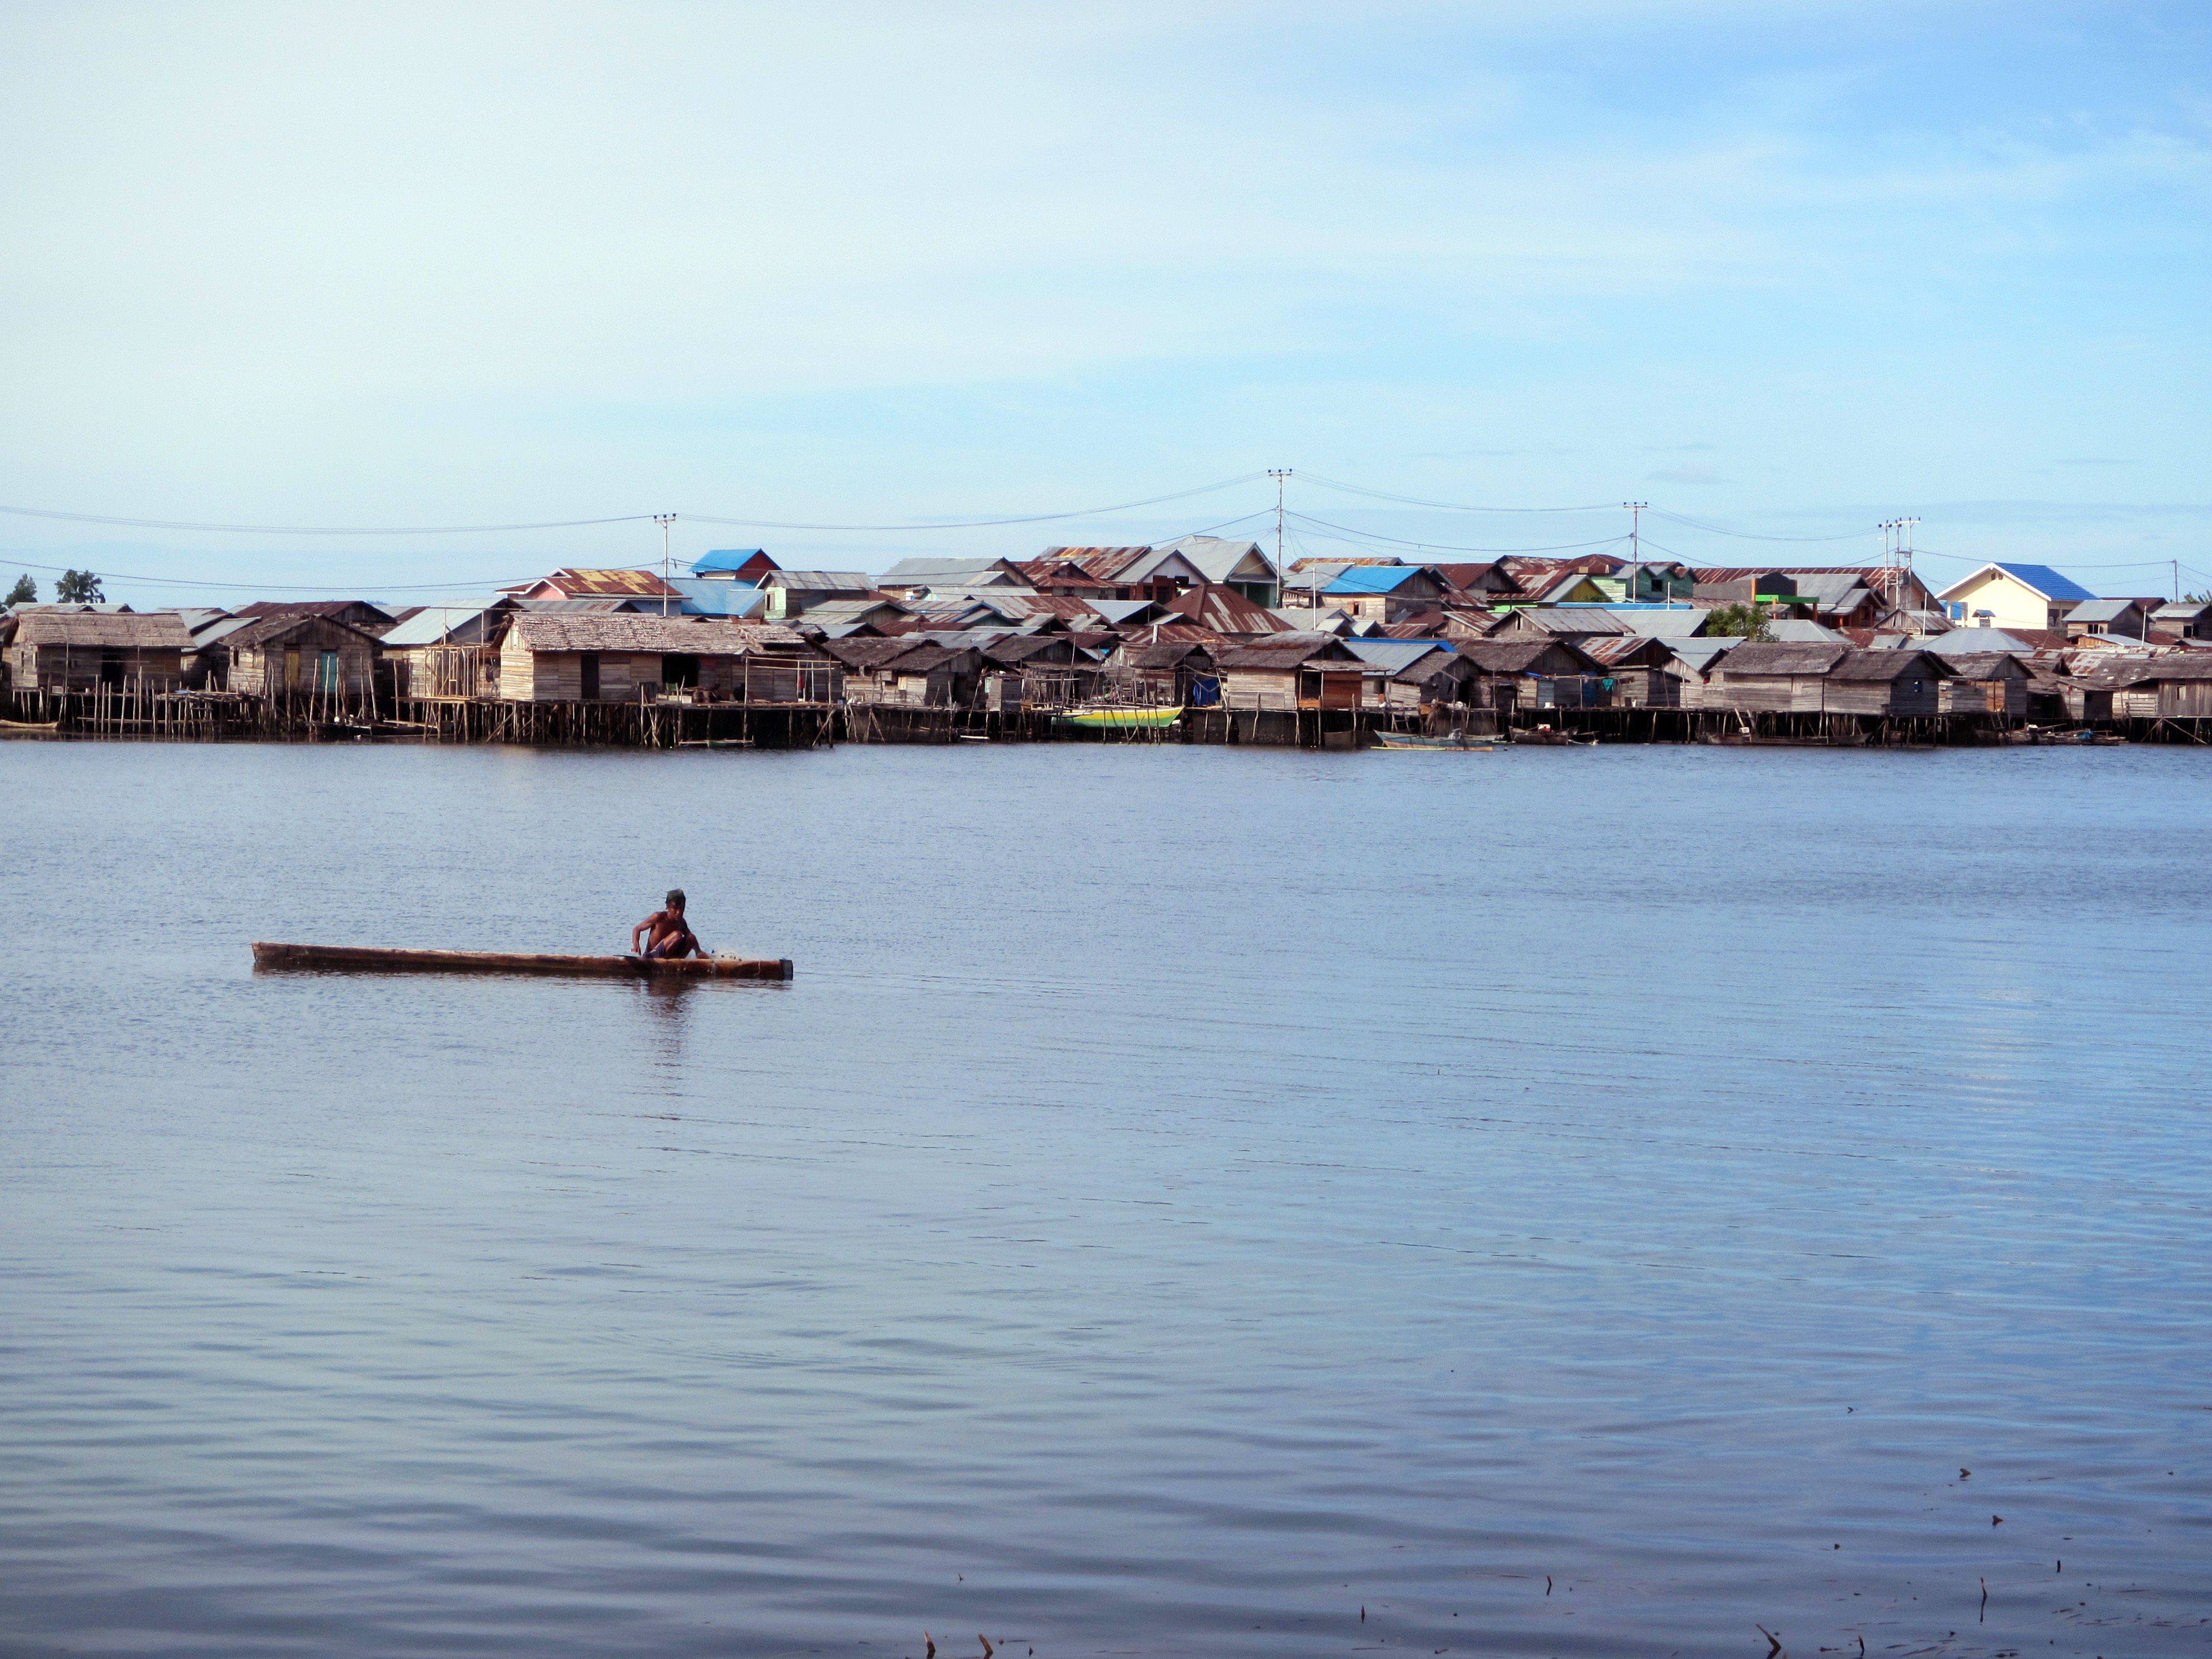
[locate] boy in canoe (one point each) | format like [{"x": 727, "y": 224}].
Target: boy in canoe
[{"x": 667, "y": 935}]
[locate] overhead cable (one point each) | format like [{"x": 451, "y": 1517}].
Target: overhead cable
[
  {"x": 484, "y": 586},
  {"x": 1753, "y": 536},
  {"x": 320, "y": 530},
  {"x": 1348, "y": 534},
  {"x": 982, "y": 524},
  {"x": 1454, "y": 507}
]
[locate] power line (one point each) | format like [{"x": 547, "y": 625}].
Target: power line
[
  {"x": 1453, "y": 507},
  {"x": 320, "y": 529},
  {"x": 984, "y": 523},
  {"x": 578, "y": 524},
  {"x": 1346, "y": 533},
  {"x": 1747, "y": 535},
  {"x": 280, "y": 588}
]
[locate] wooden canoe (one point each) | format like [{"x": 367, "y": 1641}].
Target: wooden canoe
[{"x": 360, "y": 959}]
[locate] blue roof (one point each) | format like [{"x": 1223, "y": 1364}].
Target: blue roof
[
  {"x": 1370, "y": 578},
  {"x": 2046, "y": 581},
  {"x": 719, "y": 598},
  {"x": 726, "y": 558}
]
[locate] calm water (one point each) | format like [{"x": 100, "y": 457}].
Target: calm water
[{"x": 1185, "y": 1198}]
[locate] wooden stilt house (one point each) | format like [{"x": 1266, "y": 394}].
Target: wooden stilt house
[
  {"x": 567, "y": 657},
  {"x": 298, "y": 655},
  {"x": 81, "y": 650}
]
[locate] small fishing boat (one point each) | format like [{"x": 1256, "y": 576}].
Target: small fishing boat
[
  {"x": 1118, "y": 720},
  {"x": 1459, "y": 740},
  {"x": 368, "y": 960},
  {"x": 30, "y": 729},
  {"x": 1546, "y": 736}
]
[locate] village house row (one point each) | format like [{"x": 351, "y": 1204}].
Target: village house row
[{"x": 1198, "y": 624}]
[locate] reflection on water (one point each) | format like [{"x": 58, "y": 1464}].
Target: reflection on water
[{"x": 1575, "y": 1202}]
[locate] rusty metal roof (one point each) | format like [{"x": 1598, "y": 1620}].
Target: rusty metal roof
[
  {"x": 1225, "y": 610},
  {"x": 584, "y": 584}
]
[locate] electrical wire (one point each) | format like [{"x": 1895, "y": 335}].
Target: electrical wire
[
  {"x": 1453, "y": 507},
  {"x": 320, "y": 530},
  {"x": 1747, "y": 535},
  {"x": 577, "y": 524},
  {"x": 1363, "y": 537},
  {"x": 983, "y": 524},
  {"x": 280, "y": 588}
]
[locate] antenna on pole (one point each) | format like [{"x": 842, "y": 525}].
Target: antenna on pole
[
  {"x": 1279, "y": 474},
  {"x": 664, "y": 520},
  {"x": 1635, "y": 544},
  {"x": 1897, "y": 561}
]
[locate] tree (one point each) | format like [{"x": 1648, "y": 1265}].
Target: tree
[
  {"x": 77, "y": 587},
  {"x": 1743, "y": 622},
  {"x": 25, "y": 591}
]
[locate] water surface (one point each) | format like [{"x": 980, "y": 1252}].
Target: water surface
[{"x": 1186, "y": 1197}]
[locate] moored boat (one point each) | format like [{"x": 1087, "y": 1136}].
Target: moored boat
[
  {"x": 1450, "y": 740},
  {"x": 367, "y": 959},
  {"x": 1118, "y": 720}
]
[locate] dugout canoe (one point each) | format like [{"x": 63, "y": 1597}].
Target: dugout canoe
[
  {"x": 1460, "y": 741},
  {"x": 363, "y": 959}
]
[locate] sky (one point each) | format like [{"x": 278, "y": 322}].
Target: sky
[{"x": 1784, "y": 269}]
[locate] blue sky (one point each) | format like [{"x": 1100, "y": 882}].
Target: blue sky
[{"x": 1784, "y": 269}]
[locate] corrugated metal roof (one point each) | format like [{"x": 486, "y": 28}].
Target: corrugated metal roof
[
  {"x": 1801, "y": 630},
  {"x": 2104, "y": 610},
  {"x": 432, "y": 622},
  {"x": 1216, "y": 558},
  {"x": 819, "y": 582},
  {"x": 584, "y": 584},
  {"x": 2042, "y": 578},
  {"x": 704, "y": 597},
  {"x": 266, "y": 631},
  {"x": 1702, "y": 653},
  {"x": 1372, "y": 579},
  {"x": 965, "y": 572},
  {"x": 1970, "y": 641},
  {"x": 729, "y": 558},
  {"x": 1754, "y": 658},
  {"x": 1226, "y": 611},
  {"x": 1888, "y": 666},
  {"x": 1396, "y": 655}
]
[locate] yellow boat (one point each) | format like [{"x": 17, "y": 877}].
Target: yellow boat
[{"x": 1118, "y": 720}]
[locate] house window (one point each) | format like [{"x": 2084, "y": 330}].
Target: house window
[
  {"x": 327, "y": 676},
  {"x": 590, "y": 664},
  {"x": 292, "y": 669}
]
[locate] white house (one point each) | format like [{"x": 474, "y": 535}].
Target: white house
[{"x": 2030, "y": 596}]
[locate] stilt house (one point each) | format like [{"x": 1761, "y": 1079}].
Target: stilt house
[
  {"x": 566, "y": 657},
  {"x": 301, "y": 654},
  {"x": 78, "y": 651}
]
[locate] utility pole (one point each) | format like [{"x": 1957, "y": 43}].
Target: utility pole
[
  {"x": 664, "y": 520},
  {"x": 1635, "y": 545},
  {"x": 1896, "y": 560},
  {"x": 1282, "y": 576}
]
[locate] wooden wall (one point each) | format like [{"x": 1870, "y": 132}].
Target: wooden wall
[
  {"x": 76, "y": 667},
  {"x": 1259, "y": 688},
  {"x": 262, "y": 669}
]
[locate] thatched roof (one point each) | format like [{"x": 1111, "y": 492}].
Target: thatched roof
[{"x": 149, "y": 630}]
